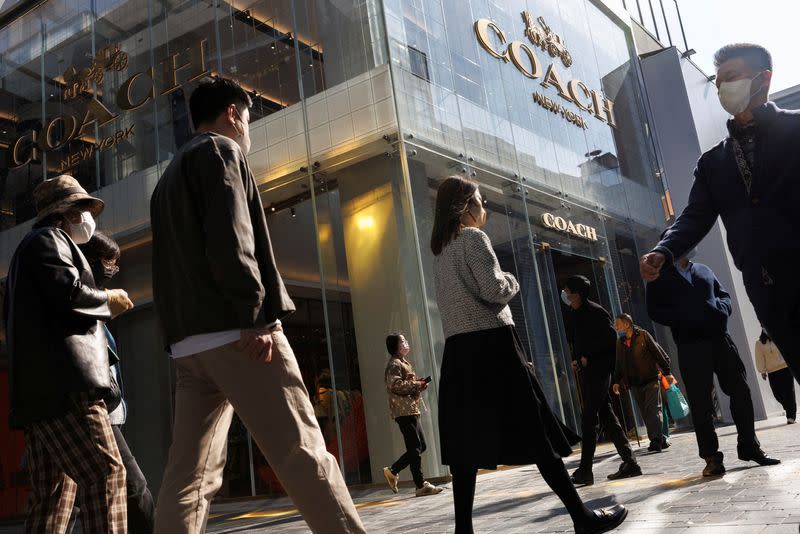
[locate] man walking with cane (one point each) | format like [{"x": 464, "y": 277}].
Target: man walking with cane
[
  {"x": 593, "y": 342},
  {"x": 639, "y": 359}
]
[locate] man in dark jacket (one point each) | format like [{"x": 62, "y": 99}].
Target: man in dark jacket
[
  {"x": 639, "y": 359},
  {"x": 591, "y": 336},
  {"x": 59, "y": 365},
  {"x": 750, "y": 180},
  {"x": 220, "y": 301},
  {"x": 688, "y": 298}
]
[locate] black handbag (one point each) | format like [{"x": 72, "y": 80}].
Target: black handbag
[{"x": 113, "y": 397}]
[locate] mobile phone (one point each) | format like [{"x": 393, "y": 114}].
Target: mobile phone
[{"x": 428, "y": 379}]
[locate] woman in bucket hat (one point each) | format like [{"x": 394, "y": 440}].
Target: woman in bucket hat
[{"x": 59, "y": 369}]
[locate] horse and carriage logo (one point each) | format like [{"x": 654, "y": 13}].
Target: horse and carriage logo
[
  {"x": 107, "y": 58},
  {"x": 544, "y": 37}
]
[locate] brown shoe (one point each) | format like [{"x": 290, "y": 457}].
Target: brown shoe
[{"x": 714, "y": 467}]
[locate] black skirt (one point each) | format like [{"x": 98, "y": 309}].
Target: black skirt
[{"x": 491, "y": 407}]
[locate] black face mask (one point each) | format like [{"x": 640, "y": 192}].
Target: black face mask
[{"x": 103, "y": 274}]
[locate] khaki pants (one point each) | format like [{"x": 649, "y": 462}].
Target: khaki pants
[{"x": 273, "y": 403}]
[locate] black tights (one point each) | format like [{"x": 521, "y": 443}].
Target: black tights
[{"x": 553, "y": 472}]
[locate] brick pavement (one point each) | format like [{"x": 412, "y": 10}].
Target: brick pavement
[{"x": 670, "y": 497}]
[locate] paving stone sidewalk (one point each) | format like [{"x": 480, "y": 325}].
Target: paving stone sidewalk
[{"x": 670, "y": 497}]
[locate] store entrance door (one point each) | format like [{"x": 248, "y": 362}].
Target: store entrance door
[
  {"x": 566, "y": 265},
  {"x": 563, "y": 266},
  {"x": 555, "y": 266}
]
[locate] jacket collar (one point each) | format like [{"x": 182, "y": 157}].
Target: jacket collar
[{"x": 763, "y": 114}]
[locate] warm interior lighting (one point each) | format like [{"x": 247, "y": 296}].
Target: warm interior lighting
[{"x": 365, "y": 222}]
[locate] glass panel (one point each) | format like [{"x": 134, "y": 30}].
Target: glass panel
[
  {"x": 258, "y": 51},
  {"x": 508, "y": 226},
  {"x": 21, "y": 110},
  {"x": 338, "y": 41},
  {"x": 361, "y": 218}
]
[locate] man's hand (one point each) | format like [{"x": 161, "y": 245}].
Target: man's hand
[
  {"x": 574, "y": 365},
  {"x": 764, "y": 376},
  {"x": 671, "y": 379},
  {"x": 256, "y": 344},
  {"x": 584, "y": 361},
  {"x": 650, "y": 266},
  {"x": 118, "y": 301},
  {"x": 423, "y": 385},
  {"x": 615, "y": 388}
]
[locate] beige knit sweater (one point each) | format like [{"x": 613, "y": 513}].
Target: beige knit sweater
[{"x": 768, "y": 357}]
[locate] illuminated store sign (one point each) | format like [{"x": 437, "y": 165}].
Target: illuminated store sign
[
  {"x": 527, "y": 62},
  {"x": 568, "y": 227},
  {"x": 62, "y": 129}
]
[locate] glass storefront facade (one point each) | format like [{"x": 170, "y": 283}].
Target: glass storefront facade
[{"x": 361, "y": 107}]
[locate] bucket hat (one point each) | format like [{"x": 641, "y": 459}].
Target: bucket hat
[{"x": 61, "y": 193}]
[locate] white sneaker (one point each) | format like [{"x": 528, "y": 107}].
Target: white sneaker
[
  {"x": 391, "y": 478},
  {"x": 428, "y": 489}
]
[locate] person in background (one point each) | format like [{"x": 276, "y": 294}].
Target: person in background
[
  {"x": 103, "y": 254},
  {"x": 689, "y": 299},
  {"x": 405, "y": 394},
  {"x": 220, "y": 300},
  {"x": 491, "y": 407},
  {"x": 59, "y": 368},
  {"x": 593, "y": 341},
  {"x": 772, "y": 366},
  {"x": 639, "y": 359},
  {"x": 750, "y": 181}
]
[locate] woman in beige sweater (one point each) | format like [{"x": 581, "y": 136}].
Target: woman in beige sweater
[{"x": 770, "y": 364}]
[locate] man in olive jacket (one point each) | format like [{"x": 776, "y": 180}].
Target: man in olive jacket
[
  {"x": 59, "y": 366},
  {"x": 639, "y": 359},
  {"x": 220, "y": 301}
]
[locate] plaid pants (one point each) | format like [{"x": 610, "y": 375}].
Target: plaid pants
[{"x": 71, "y": 453}]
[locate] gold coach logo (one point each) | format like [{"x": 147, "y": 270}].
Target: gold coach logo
[
  {"x": 140, "y": 89},
  {"x": 77, "y": 80},
  {"x": 545, "y": 38},
  {"x": 568, "y": 227},
  {"x": 524, "y": 58}
]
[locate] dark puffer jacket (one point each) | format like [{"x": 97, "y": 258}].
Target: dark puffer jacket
[{"x": 56, "y": 341}]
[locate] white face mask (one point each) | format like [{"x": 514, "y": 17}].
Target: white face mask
[
  {"x": 735, "y": 96},
  {"x": 565, "y": 298},
  {"x": 83, "y": 231}
]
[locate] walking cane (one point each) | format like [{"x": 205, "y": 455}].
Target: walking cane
[
  {"x": 578, "y": 388},
  {"x": 625, "y": 423}
]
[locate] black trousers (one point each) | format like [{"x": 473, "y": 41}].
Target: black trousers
[
  {"x": 554, "y": 474},
  {"x": 141, "y": 508},
  {"x": 597, "y": 409},
  {"x": 415, "y": 446},
  {"x": 782, "y": 385},
  {"x": 699, "y": 362},
  {"x": 648, "y": 398}
]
